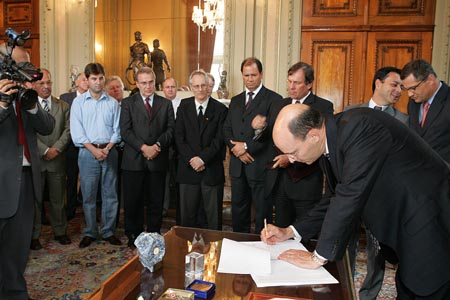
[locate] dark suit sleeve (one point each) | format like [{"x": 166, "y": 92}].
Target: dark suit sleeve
[
  {"x": 184, "y": 150},
  {"x": 42, "y": 122},
  {"x": 227, "y": 126},
  {"x": 126, "y": 125},
  {"x": 209, "y": 153},
  {"x": 166, "y": 137},
  {"x": 363, "y": 147}
]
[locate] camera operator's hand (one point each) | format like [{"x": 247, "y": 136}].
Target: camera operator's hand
[{"x": 6, "y": 91}]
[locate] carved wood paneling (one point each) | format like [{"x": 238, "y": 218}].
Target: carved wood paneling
[
  {"x": 395, "y": 49},
  {"x": 19, "y": 14},
  {"x": 336, "y": 59},
  {"x": 401, "y": 12},
  {"x": 333, "y": 12}
]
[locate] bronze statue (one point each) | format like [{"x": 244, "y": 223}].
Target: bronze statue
[
  {"x": 157, "y": 58},
  {"x": 222, "y": 91},
  {"x": 138, "y": 51}
]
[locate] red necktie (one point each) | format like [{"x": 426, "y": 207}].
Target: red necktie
[
  {"x": 22, "y": 139},
  {"x": 249, "y": 100},
  {"x": 148, "y": 107},
  {"x": 426, "y": 106}
]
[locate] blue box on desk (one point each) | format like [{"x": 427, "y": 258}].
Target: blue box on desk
[{"x": 202, "y": 289}]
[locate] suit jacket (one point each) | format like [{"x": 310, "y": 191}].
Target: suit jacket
[
  {"x": 137, "y": 128},
  {"x": 207, "y": 142},
  {"x": 392, "y": 111},
  {"x": 436, "y": 130},
  {"x": 68, "y": 97},
  {"x": 59, "y": 138},
  {"x": 12, "y": 154},
  {"x": 238, "y": 127},
  {"x": 393, "y": 180},
  {"x": 309, "y": 178}
]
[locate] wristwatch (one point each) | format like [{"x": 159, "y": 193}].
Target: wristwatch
[
  {"x": 108, "y": 148},
  {"x": 245, "y": 146},
  {"x": 315, "y": 258}
]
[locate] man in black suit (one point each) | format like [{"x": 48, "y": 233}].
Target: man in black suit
[
  {"x": 146, "y": 125},
  {"x": 295, "y": 187},
  {"x": 81, "y": 84},
  {"x": 381, "y": 172},
  {"x": 429, "y": 105},
  {"x": 386, "y": 88},
  {"x": 249, "y": 156},
  {"x": 21, "y": 181},
  {"x": 201, "y": 149}
]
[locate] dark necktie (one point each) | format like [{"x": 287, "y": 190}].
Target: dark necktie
[
  {"x": 148, "y": 107},
  {"x": 378, "y": 108},
  {"x": 22, "y": 139},
  {"x": 426, "y": 106},
  {"x": 297, "y": 102},
  {"x": 200, "y": 117},
  {"x": 249, "y": 100},
  {"x": 45, "y": 105}
]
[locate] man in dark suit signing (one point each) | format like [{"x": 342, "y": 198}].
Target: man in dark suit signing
[
  {"x": 201, "y": 149},
  {"x": 295, "y": 187},
  {"x": 21, "y": 181},
  {"x": 250, "y": 156},
  {"x": 429, "y": 105},
  {"x": 381, "y": 172},
  {"x": 146, "y": 125}
]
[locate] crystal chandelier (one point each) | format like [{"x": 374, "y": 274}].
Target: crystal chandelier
[{"x": 210, "y": 16}]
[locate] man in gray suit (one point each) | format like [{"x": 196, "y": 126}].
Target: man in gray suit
[
  {"x": 20, "y": 184},
  {"x": 52, "y": 150},
  {"x": 386, "y": 87}
]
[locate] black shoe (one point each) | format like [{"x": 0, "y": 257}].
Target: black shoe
[
  {"x": 35, "y": 245},
  {"x": 131, "y": 244},
  {"x": 63, "y": 239},
  {"x": 113, "y": 240},
  {"x": 86, "y": 241}
]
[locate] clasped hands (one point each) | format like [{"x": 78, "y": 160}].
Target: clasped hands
[
  {"x": 273, "y": 234},
  {"x": 150, "y": 152},
  {"x": 52, "y": 153}
]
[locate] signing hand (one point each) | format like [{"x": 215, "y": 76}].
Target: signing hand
[{"x": 275, "y": 234}]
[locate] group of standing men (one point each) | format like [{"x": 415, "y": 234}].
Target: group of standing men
[{"x": 280, "y": 151}]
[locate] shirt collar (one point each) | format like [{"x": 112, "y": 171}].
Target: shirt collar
[
  {"x": 301, "y": 100},
  {"x": 255, "y": 92},
  {"x": 204, "y": 104},
  {"x": 372, "y": 105}
]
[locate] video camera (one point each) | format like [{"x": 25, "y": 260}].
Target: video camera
[{"x": 19, "y": 72}]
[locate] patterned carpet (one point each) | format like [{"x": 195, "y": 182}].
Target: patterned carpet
[{"x": 59, "y": 272}]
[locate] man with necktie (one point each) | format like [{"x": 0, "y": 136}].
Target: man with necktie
[
  {"x": 295, "y": 187},
  {"x": 147, "y": 122},
  {"x": 386, "y": 88},
  {"x": 429, "y": 105},
  {"x": 249, "y": 156},
  {"x": 401, "y": 193},
  {"x": 201, "y": 149},
  {"x": 52, "y": 151}
]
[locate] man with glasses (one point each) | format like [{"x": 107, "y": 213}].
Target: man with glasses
[
  {"x": 201, "y": 148},
  {"x": 94, "y": 126},
  {"x": 147, "y": 122},
  {"x": 52, "y": 151},
  {"x": 429, "y": 105}
]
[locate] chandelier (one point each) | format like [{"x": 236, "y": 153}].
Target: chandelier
[{"x": 210, "y": 16}]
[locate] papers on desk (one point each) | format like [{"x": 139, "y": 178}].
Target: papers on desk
[{"x": 259, "y": 260}]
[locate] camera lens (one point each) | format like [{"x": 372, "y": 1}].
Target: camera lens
[{"x": 27, "y": 98}]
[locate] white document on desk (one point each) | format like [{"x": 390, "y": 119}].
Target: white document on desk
[{"x": 281, "y": 272}]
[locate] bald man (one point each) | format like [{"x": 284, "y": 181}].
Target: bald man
[{"x": 373, "y": 164}]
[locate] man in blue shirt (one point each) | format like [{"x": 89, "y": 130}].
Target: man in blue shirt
[{"x": 94, "y": 125}]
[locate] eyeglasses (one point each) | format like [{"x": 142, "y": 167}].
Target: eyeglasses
[
  {"x": 413, "y": 88},
  {"x": 45, "y": 82},
  {"x": 199, "y": 87}
]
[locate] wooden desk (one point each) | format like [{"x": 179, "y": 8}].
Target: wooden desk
[{"x": 132, "y": 280}]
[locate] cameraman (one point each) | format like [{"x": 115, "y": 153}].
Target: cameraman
[{"x": 20, "y": 185}]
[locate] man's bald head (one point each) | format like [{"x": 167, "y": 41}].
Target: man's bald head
[{"x": 299, "y": 132}]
